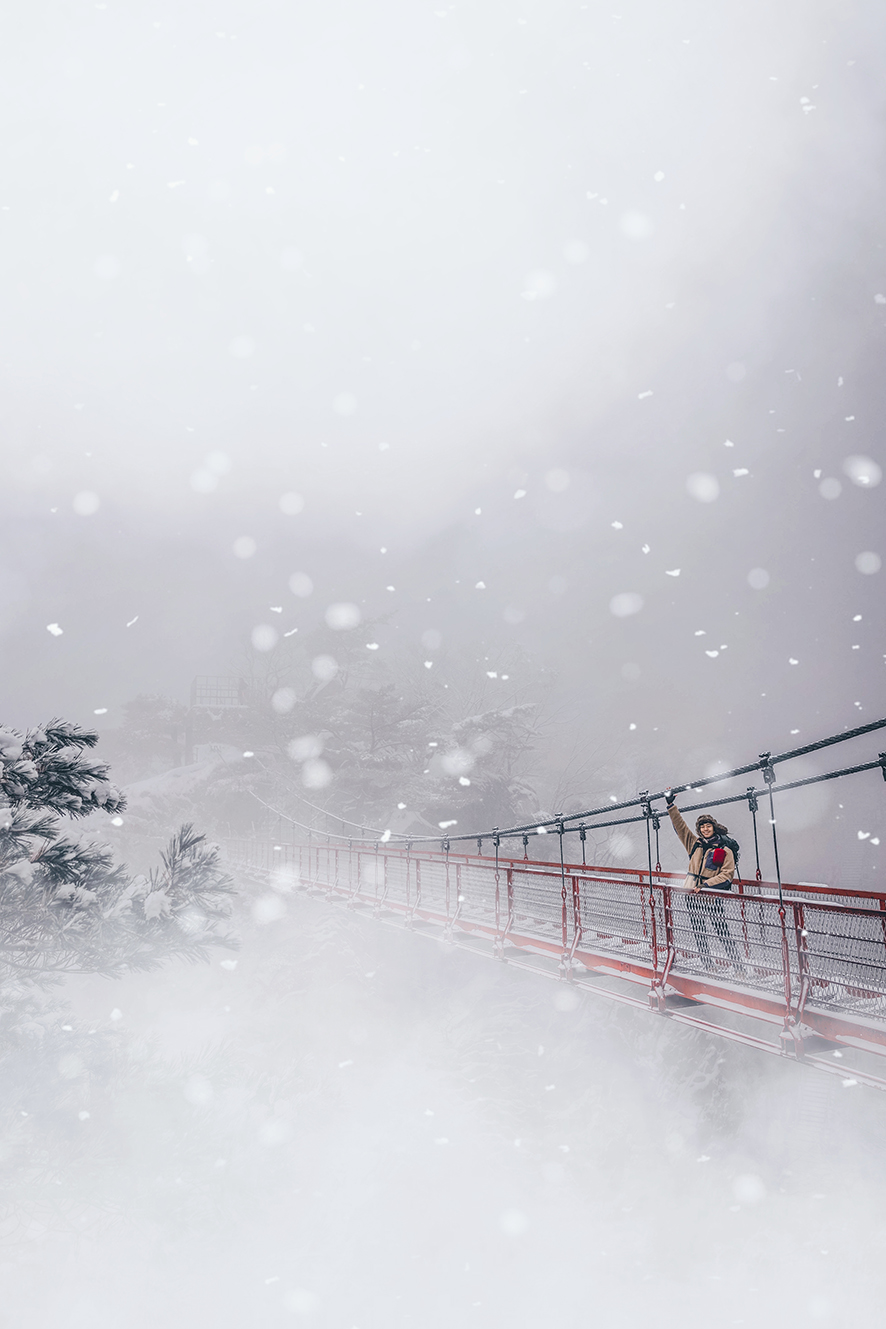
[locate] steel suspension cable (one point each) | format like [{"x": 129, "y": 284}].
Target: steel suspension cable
[
  {"x": 695, "y": 785},
  {"x": 765, "y": 763},
  {"x": 614, "y": 807}
]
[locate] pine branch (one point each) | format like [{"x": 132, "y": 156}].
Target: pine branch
[
  {"x": 61, "y": 733},
  {"x": 45, "y": 769},
  {"x": 101, "y": 920}
]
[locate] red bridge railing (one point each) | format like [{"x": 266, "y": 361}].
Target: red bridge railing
[{"x": 812, "y": 968}]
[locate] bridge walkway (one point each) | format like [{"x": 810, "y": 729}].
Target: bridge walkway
[{"x": 803, "y": 976}]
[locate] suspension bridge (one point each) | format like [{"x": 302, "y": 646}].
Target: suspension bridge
[{"x": 795, "y": 970}]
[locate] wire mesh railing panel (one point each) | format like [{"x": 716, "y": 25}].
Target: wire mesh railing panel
[
  {"x": 477, "y": 891},
  {"x": 327, "y": 865},
  {"x": 615, "y": 916},
  {"x": 846, "y": 959},
  {"x": 367, "y": 879},
  {"x": 399, "y": 879},
  {"x": 835, "y": 951},
  {"x": 537, "y": 902},
  {"x": 251, "y": 853},
  {"x": 391, "y": 879},
  {"x": 728, "y": 935},
  {"x": 431, "y": 878}
]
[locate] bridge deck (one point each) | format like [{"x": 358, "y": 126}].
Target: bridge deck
[{"x": 806, "y": 979}]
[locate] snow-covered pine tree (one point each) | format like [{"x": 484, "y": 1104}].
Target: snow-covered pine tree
[{"x": 65, "y": 906}]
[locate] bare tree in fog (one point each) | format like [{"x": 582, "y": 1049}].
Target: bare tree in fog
[{"x": 338, "y": 742}]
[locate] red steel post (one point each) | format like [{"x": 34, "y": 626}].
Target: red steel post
[
  {"x": 787, "y": 1028},
  {"x": 803, "y": 966}
]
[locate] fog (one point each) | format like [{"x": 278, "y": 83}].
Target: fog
[{"x": 548, "y": 342}]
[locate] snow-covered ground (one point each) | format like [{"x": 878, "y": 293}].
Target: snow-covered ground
[{"x": 357, "y": 1127}]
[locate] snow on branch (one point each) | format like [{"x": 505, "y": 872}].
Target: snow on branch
[
  {"x": 65, "y": 905},
  {"x": 45, "y": 768}
]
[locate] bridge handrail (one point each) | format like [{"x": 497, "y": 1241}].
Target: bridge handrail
[
  {"x": 811, "y": 959},
  {"x": 745, "y": 889}
]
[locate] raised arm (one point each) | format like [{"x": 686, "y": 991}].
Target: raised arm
[{"x": 688, "y": 838}]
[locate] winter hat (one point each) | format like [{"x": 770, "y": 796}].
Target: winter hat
[{"x": 719, "y": 828}]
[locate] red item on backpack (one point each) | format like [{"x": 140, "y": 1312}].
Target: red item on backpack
[{"x": 718, "y": 857}]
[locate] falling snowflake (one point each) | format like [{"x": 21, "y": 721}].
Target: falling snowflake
[
  {"x": 625, "y": 604},
  {"x": 703, "y": 487}
]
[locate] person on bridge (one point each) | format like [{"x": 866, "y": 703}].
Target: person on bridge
[{"x": 712, "y": 867}]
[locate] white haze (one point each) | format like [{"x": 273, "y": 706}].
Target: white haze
[{"x": 578, "y": 316}]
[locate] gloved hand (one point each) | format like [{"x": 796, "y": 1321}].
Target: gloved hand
[{"x": 670, "y": 798}]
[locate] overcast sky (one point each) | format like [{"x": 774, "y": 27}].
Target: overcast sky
[{"x": 586, "y": 307}]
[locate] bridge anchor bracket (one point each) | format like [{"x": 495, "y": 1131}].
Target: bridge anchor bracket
[{"x": 798, "y": 1039}]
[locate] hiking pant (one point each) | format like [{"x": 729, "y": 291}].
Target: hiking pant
[{"x": 710, "y": 906}]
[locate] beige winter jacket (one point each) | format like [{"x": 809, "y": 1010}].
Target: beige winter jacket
[{"x": 717, "y": 878}]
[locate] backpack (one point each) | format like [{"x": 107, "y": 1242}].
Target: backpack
[{"x": 732, "y": 844}]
